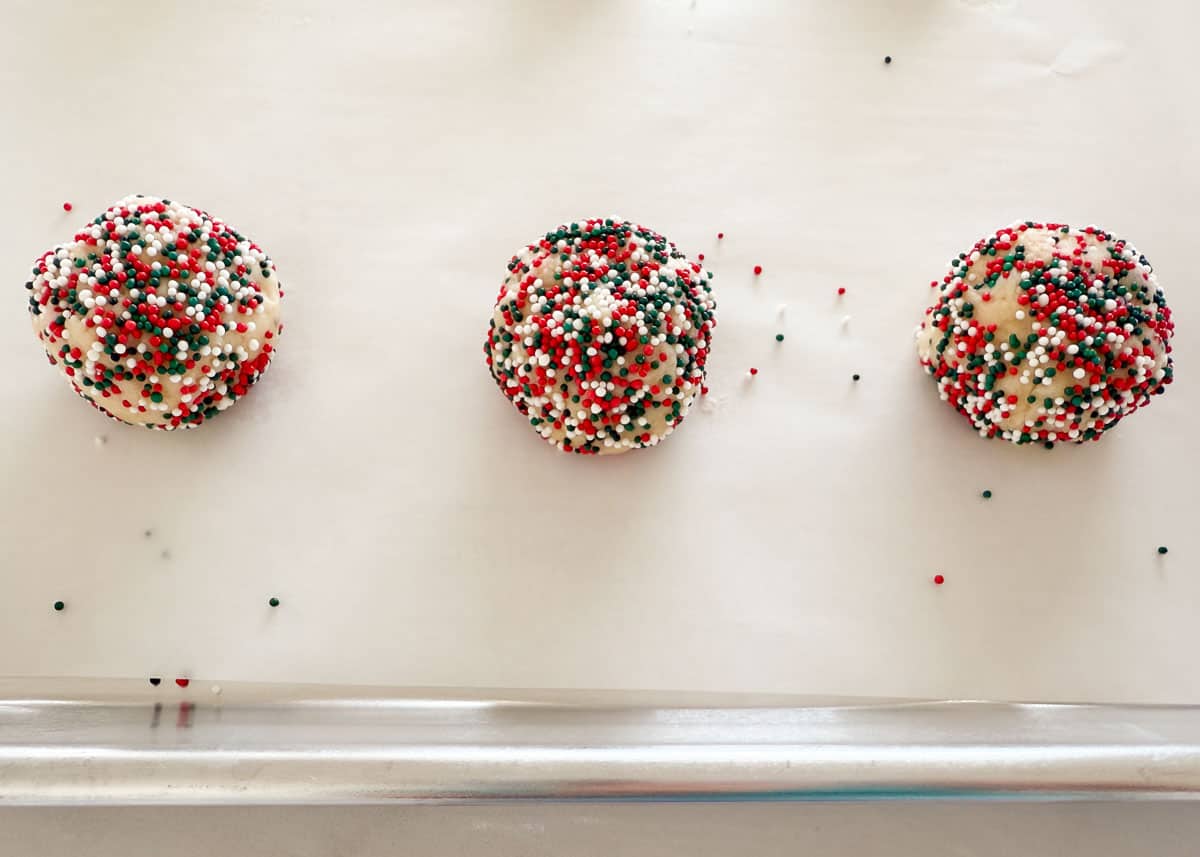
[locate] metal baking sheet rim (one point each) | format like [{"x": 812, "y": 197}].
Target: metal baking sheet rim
[{"x": 119, "y": 743}]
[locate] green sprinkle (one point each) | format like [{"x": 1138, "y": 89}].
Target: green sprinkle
[
  {"x": 1162, "y": 548},
  {"x": 987, "y": 494},
  {"x": 61, "y": 605},
  {"x": 779, "y": 337},
  {"x": 274, "y": 602}
]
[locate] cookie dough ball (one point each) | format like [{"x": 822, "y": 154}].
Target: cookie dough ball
[
  {"x": 158, "y": 314},
  {"x": 600, "y": 336},
  {"x": 1047, "y": 333}
]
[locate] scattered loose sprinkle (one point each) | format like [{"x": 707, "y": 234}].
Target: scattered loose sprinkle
[
  {"x": 757, "y": 270},
  {"x": 1076, "y": 336},
  {"x": 700, "y": 257},
  {"x": 601, "y": 335},
  {"x": 753, "y": 370},
  {"x": 216, "y": 689},
  {"x": 67, "y": 206},
  {"x": 939, "y": 579},
  {"x": 720, "y": 235},
  {"x": 781, "y": 310},
  {"x": 157, "y": 314},
  {"x": 845, "y": 320},
  {"x": 1162, "y": 548},
  {"x": 183, "y": 682},
  {"x": 987, "y": 494},
  {"x": 274, "y": 602},
  {"x": 855, "y": 377},
  {"x": 99, "y": 441},
  {"x": 711, "y": 404},
  {"x": 887, "y": 60},
  {"x": 779, "y": 337},
  {"x": 155, "y": 681},
  {"x": 60, "y": 605},
  {"x": 841, "y": 290}
]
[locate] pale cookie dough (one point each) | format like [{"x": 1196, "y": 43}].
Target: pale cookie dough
[
  {"x": 600, "y": 336},
  {"x": 158, "y": 314},
  {"x": 1047, "y": 333}
]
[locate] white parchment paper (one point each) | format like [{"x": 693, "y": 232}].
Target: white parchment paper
[{"x": 392, "y": 155}]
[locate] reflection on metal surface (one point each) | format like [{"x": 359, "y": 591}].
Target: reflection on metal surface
[{"x": 257, "y": 745}]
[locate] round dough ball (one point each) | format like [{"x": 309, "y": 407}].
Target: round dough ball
[
  {"x": 600, "y": 336},
  {"x": 1047, "y": 333},
  {"x": 158, "y": 314}
]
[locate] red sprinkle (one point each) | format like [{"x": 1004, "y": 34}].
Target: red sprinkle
[
  {"x": 841, "y": 290},
  {"x": 701, "y": 257},
  {"x": 939, "y": 579},
  {"x": 753, "y": 371},
  {"x": 183, "y": 682},
  {"x": 67, "y": 206},
  {"x": 757, "y": 270},
  {"x": 720, "y": 235}
]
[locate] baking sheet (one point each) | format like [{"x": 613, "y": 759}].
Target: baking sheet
[
  {"x": 390, "y": 157},
  {"x": 109, "y": 743}
]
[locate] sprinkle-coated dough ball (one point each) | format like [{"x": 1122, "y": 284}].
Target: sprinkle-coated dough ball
[
  {"x": 600, "y": 336},
  {"x": 158, "y": 314},
  {"x": 1044, "y": 333}
]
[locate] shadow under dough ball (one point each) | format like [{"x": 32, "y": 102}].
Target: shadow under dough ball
[
  {"x": 1044, "y": 333},
  {"x": 600, "y": 336},
  {"x": 158, "y": 314}
]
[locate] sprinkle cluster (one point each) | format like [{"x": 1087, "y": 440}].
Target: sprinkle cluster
[
  {"x": 1044, "y": 333},
  {"x": 158, "y": 314},
  {"x": 600, "y": 336}
]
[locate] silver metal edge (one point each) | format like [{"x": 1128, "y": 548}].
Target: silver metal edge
[{"x": 112, "y": 743}]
